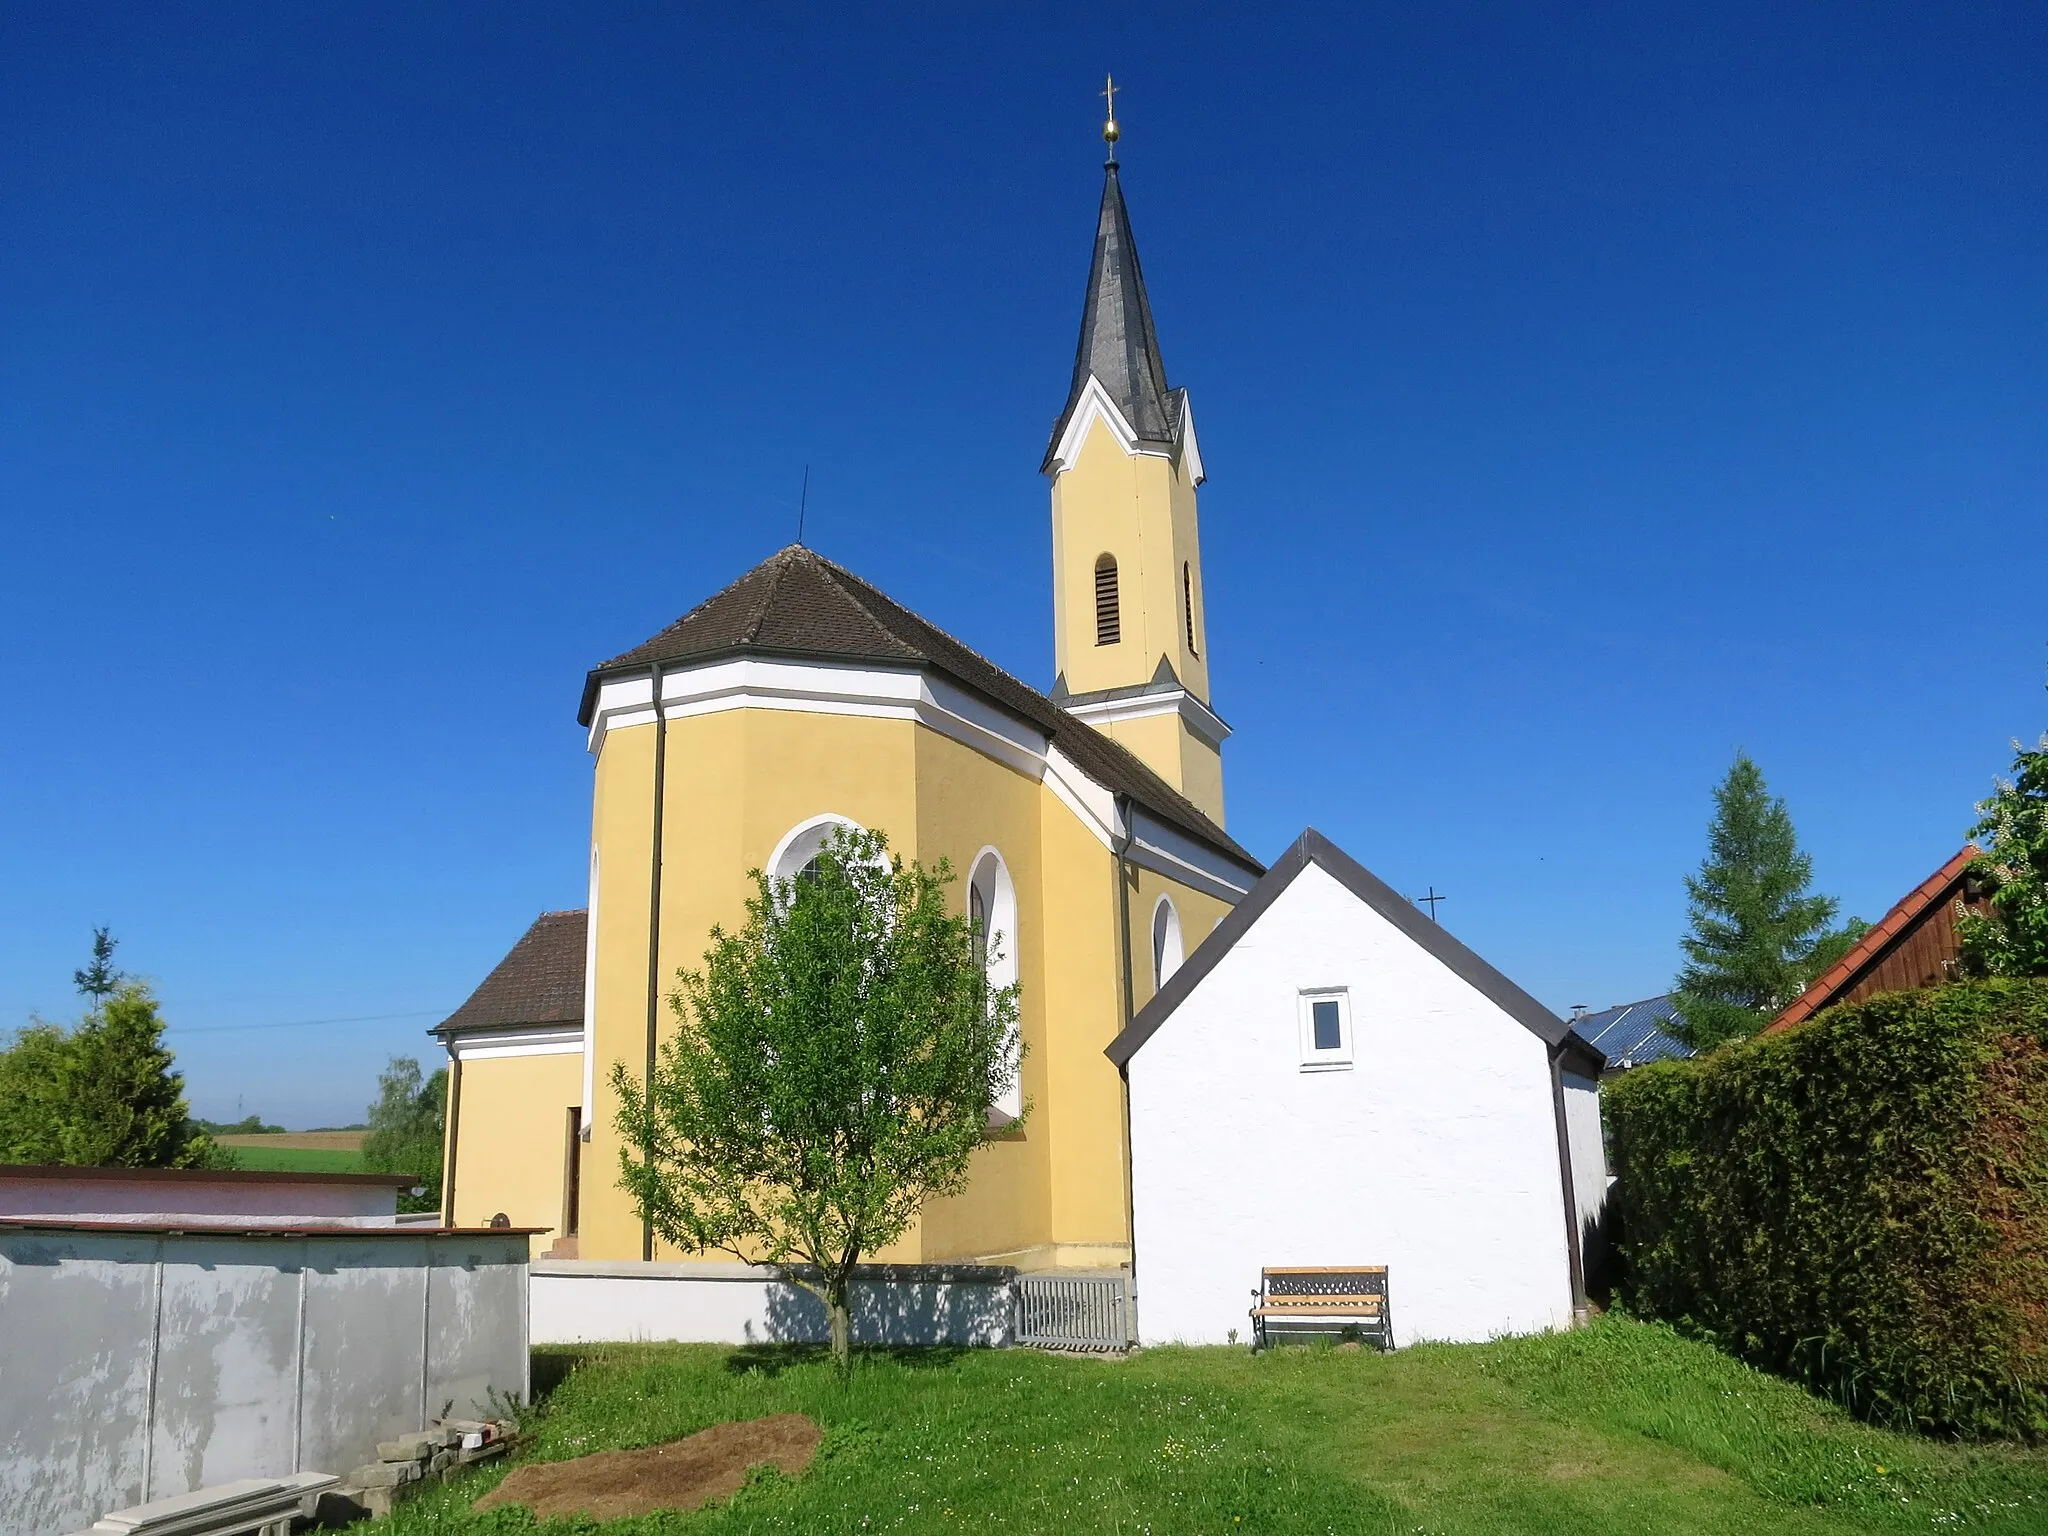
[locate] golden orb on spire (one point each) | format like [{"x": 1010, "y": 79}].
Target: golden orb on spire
[{"x": 1110, "y": 132}]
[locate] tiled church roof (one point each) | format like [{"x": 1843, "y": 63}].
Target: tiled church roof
[
  {"x": 539, "y": 982},
  {"x": 796, "y": 603}
]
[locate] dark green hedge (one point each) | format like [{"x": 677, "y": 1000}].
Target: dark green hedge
[{"x": 1860, "y": 1203}]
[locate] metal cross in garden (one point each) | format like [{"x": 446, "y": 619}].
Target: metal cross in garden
[{"x": 1430, "y": 901}]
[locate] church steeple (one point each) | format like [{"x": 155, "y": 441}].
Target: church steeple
[
  {"x": 1128, "y": 609},
  {"x": 1119, "y": 345}
]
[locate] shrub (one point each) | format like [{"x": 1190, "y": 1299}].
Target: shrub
[{"x": 1860, "y": 1203}]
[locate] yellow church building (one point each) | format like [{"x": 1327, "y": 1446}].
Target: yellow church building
[{"x": 1086, "y": 824}]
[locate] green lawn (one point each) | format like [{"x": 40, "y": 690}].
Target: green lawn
[
  {"x": 1619, "y": 1428},
  {"x": 296, "y": 1159}
]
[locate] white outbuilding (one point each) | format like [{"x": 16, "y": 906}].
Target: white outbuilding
[{"x": 1332, "y": 1080}]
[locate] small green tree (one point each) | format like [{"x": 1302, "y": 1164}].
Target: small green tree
[
  {"x": 99, "y": 980},
  {"x": 2012, "y": 939},
  {"x": 833, "y": 1068},
  {"x": 104, "y": 1095},
  {"x": 408, "y": 1128},
  {"x": 1758, "y": 933}
]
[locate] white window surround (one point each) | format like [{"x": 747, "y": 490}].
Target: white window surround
[
  {"x": 991, "y": 880},
  {"x": 802, "y": 842},
  {"x": 1167, "y": 948},
  {"x": 1312, "y": 1059}
]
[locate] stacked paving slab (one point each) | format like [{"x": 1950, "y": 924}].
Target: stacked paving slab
[{"x": 439, "y": 1453}]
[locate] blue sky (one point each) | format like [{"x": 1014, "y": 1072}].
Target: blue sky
[{"x": 1587, "y": 391}]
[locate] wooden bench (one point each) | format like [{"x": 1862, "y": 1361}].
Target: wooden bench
[{"x": 1335, "y": 1300}]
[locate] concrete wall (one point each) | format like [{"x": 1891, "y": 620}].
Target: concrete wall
[
  {"x": 1434, "y": 1152},
  {"x": 136, "y": 1365},
  {"x": 588, "y": 1301},
  {"x": 1589, "y": 1172},
  {"x": 157, "y": 1197}
]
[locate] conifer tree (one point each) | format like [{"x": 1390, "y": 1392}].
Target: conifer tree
[
  {"x": 105, "y": 1094},
  {"x": 2012, "y": 939},
  {"x": 1757, "y": 928},
  {"x": 99, "y": 979}
]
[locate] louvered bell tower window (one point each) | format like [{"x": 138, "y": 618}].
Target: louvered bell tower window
[{"x": 1108, "y": 622}]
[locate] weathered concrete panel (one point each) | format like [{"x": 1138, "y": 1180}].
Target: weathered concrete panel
[
  {"x": 470, "y": 1286},
  {"x": 227, "y": 1393},
  {"x": 76, "y": 1319},
  {"x": 180, "y": 1361},
  {"x": 365, "y": 1327}
]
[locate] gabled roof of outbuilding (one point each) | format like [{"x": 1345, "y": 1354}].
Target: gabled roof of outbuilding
[
  {"x": 1924, "y": 904},
  {"x": 1312, "y": 848},
  {"x": 800, "y": 605},
  {"x": 1634, "y": 1034},
  {"x": 539, "y": 982}
]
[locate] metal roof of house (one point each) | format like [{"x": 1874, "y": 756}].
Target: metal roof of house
[
  {"x": 539, "y": 982},
  {"x": 1631, "y": 1034},
  {"x": 1313, "y": 848},
  {"x": 798, "y": 604}
]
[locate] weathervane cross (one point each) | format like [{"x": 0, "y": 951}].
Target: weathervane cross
[
  {"x": 1108, "y": 94},
  {"x": 1110, "y": 131}
]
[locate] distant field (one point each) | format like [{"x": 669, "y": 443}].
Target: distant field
[
  {"x": 299, "y": 1152},
  {"x": 323, "y": 1141}
]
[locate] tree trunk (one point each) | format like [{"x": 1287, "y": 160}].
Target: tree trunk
[{"x": 836, "y": 1310}]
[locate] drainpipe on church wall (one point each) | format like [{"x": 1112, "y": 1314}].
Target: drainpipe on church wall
[
  {"x": 1123, "y": 933},
  {"x": 654, "y": 927},
  {"x": 454, "y": 1118}
]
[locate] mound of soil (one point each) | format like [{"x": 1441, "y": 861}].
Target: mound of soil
[{"x": 711, "y": 1464}]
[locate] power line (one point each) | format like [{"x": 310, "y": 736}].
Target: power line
[{"x": 360, "y": 1018}]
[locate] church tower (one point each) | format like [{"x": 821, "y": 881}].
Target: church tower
[{"x": 1131, "y": 646}]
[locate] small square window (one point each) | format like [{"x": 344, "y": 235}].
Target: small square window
[{"x": 1325, "y": 1029}]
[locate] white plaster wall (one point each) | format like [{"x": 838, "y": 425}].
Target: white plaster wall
[
  {"x": 588, "y": 1302},
  {"x": 1589, "y": 1152},
  {"x": 1436, "y": 1154}
]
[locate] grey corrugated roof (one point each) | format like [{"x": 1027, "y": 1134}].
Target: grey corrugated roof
[
  {"x": 539, "y": 982},
  {"x": 1630, "y": 1034},
  {"x": 1313, "y": 848},
  {"x": 796, "y": 603},
  {"x": 1119, "y": 344}
]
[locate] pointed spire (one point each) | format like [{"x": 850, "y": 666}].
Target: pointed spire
[{"x": 1119, "y": 346}]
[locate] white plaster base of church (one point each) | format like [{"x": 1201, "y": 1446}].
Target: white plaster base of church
[
  {"x": 590, "y": 1301},
  {"x": 1434, "y": 1150}
]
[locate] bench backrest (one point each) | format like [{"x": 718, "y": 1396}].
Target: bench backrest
[{"x": 1342, "y": 1280}]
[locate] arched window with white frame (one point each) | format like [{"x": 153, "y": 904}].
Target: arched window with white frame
[
  {"x": 992, "y": 909},
  {"x": 1166, "y": 945},
  {"x": 796, "y": 856}
]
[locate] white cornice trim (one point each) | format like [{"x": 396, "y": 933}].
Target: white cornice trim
[
  {"x": 822, "y": 688},
  {"x": 1096, "y": 405},
  {"x": 1198, "y": 717},
  {"x": 1093, "y": 805},
  {"x": 527, "y": 1040},
  {"x": 1162, "y": 849},
  {"x": 1190, "y": 450}
]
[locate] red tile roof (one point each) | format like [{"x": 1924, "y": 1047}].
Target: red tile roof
[{"x": 1928, "y": 896}]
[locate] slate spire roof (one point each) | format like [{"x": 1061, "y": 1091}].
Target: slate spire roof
[
  {"x": 1119, "y": 345},
  {"x": 798, "y": 604}
]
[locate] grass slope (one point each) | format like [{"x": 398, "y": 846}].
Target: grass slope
[{"x": 1619, "y": 1428}]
